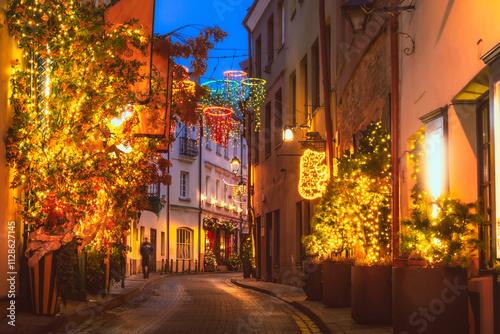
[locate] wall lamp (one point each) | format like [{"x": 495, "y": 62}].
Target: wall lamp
[{"x": 357, "y": 13}]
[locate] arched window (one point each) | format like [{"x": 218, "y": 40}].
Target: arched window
[{"x": 184, "y": 243}]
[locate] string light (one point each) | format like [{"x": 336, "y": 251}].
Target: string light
[{"x": 313, "y": 174}]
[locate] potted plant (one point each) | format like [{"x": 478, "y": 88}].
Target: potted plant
[
  {"x": 247, "y": 258},
  {"x": 443, "y": 233},
  {"x": 332, "y": 238},
  {"x": 234, "y": 261},
  {"x": 312, "y": 278},
  {"x": 210, "y": 261}
]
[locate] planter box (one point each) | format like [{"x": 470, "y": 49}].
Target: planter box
[
  {"x": 312, "y": 281},
  {"x": 336, "y": 284},
  {"x": 43, "y": 285},
  {"x": 371, "y": 294},
  {"x": 430, "y": 300}
]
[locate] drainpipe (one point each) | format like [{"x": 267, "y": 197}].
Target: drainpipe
[
  {"x": 394, "y": 131},
  {"x": 326, "y": 84},
  {"x": 199, "y": 196},
  {"x": 249, "y": 139},
  {"x": 168, "y": 214}
]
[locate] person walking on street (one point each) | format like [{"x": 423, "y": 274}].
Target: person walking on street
[{"x": 146, "y": 250}]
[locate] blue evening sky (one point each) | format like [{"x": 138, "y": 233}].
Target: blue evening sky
[{"x": 227, "y": 14}]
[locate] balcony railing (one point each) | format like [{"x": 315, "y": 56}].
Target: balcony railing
[{"x": 189, "y": 147}]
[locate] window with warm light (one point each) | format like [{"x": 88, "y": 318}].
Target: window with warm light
[
  {"x": 184, "y": 237},
  {"x": 162, "y": 250},
  {"x": 436, "y": 133}
]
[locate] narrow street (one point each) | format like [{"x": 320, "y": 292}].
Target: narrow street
[{"x": 206, "y": 303}]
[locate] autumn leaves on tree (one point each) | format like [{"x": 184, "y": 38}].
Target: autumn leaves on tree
[{"x": 81, "y": 173}]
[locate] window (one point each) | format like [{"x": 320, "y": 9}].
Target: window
[
  {"x": 208, "y": 141},
  {"x": 207, "y": 186},
  {"x": 244, "y": 155},
  {"x": 293, "y": 7},
  {"x": 153, "y": 190},
  {"x": 278, "y": 118},
  {"x": 225, "y": 200},
  {"x": 293, "y": 98},
  {"x": 226, "y": 152},
  {"x": 270, "y": 40},
  {"x": 184, "y": 185},
  {"x": 217, "y": 190},
  {"x": 315, "y": 76},
  {"x": 162, "y": 243},
  {"x": 281, "y": 23},
  {"x": 143, "y": 230},
  {"x": 267, "y": 129},
  {"x": 258, "y": 57},
  {"x": 184, "y": 237},
  {"x": 435, "y": 151},
  {"x": 484, "y": 168},
  {"x": 436, "y": 133},
  {"x": 304, "y": 87},
  {"x": 184, "y": 131},
  {"x": 217, "y": 149},
  {"x": 256, "y": 147},
  {"x": 235, "y": 148}
]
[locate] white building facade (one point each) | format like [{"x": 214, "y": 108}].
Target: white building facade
[{"x": 203, "y": 190}]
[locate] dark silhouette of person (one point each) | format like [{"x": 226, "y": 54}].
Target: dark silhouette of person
[{"x": 146, "y": 250}]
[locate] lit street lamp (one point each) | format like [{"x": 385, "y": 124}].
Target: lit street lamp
[{"x": 235, "y": 165}]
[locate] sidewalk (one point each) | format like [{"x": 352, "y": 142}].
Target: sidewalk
[
  {"x": 77, "y": 312},
  {"x": 329, "y": 320}
]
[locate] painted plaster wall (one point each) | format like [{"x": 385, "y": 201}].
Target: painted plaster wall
[
  {"x": 450, "y": 38},
  {"x": 277, "y": 175}
]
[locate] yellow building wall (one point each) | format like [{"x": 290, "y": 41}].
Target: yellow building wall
[{"x": 8, "y": 53}]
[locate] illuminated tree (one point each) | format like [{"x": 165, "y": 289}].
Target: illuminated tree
[
  {"x": 354, "y": 213},
  {"x": 83, "y": 174}
]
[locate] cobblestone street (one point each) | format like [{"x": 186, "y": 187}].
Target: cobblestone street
[{"x": 207, "y": 303}]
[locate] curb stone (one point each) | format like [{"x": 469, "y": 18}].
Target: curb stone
[{"x": 314, "y": 317}]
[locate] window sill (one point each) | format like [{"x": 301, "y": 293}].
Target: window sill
[{"x": 185, "y": 199}]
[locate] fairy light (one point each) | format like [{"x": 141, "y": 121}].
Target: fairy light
[
  {"x": 352, "y": 215},
  {"x": 68, "y": 142},
  {"x": 313, "y": 174},
  {"x": 255, "y": 93}
]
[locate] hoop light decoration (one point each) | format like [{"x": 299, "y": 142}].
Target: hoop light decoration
[
  {"x": 237, "y": 76},
  {"x": 313, "y": 174},
  {"x": 255, "y": 93},
  {"x": 221, "y": 93},
  {"x": 219, "y": 120}
]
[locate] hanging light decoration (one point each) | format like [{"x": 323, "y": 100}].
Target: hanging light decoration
[
  {"x": 219, "y": 120},
  {"x": 237, "y": 76},
  {"x": 221, "y": 93},
  {"x": 255, "y": 93},
  {"x": 313, "y": 174}
]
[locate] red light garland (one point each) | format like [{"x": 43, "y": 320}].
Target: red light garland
[{"x": 219, "y": 120}]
